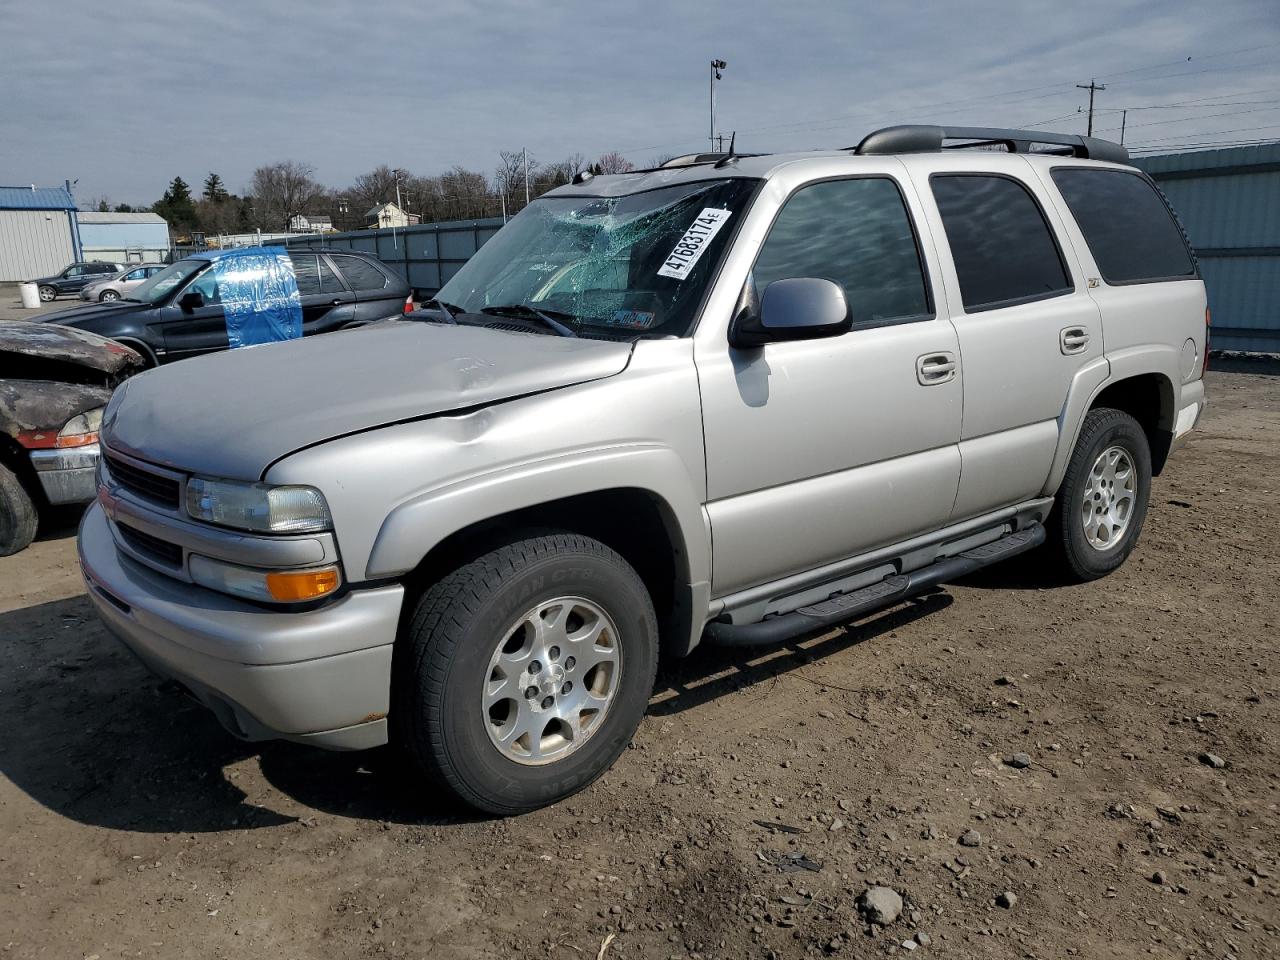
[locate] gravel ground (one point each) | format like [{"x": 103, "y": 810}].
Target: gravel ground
[{"x": 1032, "y": 770}]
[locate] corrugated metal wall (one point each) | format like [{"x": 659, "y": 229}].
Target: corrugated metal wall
[
  {"x": 425, "y": 254},
  {"x": 1229, "y": 201},
  {"x": 34, "y": 243}
]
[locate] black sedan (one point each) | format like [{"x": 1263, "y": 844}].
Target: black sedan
[{"x": 179, "y": 313}]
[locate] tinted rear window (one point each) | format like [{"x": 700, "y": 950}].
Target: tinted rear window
[
  {"x": 1129, "y": 228},
  {"x": 360, "y": 274},
  {"x": 1001, "y": 244}
]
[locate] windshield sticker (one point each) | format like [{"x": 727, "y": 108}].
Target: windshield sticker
[
  {"x": 694, "y": 243},
  {"x": 631, "y": 319}
]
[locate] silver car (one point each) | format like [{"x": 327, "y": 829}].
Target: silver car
[
  {"x": 118, "y": 286},
  {"x": 731, "y": 400}
]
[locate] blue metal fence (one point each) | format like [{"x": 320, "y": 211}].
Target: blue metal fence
[
  {"x": 425, "y": 254},
  {"x": 1229, "y": 201}
]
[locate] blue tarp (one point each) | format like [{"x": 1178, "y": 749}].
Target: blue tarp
[{"x": 259, "y": 295}]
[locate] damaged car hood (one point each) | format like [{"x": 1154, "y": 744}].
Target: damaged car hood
[
  {"x": 233, "y": 414},
  {"x": 49, "y": 341},
  {"x": 49, "y": 374}
]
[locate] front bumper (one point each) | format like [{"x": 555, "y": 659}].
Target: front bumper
[
  {"x": 67, "y": 475},
  {"x": 320, "y": 676}
]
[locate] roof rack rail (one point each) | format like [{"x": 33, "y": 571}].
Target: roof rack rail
[
  {"x": 689, "y": 159},
  {"x": 924, "y": 138}
]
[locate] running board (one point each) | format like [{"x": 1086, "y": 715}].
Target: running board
[{"x": 891, "y": 590}]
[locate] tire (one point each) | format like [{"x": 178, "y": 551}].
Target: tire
[
  {"x": 108, "y": 296},
  {"x": 450, "y": 657},
  {"x": 47, "y": 293},
  {"x": 1089, "y": 546},
  {"x": 18, "y": 516}
]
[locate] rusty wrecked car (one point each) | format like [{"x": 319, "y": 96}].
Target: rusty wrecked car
[{"x": 54, "y": 384}]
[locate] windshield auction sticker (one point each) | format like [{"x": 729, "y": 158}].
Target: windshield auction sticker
[{"x": 694, "y": 243}]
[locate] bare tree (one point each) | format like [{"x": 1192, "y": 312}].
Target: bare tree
[
  {"x": 281, "y": 190},
  {"x": 614, "y": 162},
  {"x": 372, "y": 188}
]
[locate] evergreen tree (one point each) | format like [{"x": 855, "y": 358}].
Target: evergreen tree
[
  {"x": 176, "y": 206},
  {"x": 214, "y": 189}
]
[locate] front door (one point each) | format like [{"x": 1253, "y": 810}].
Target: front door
[
  {"x": 203, "y": 329},
  {"x": 822, "y": 449}
]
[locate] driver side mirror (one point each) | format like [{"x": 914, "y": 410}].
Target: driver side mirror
[
  {"x": 191, "y": 300},
  {"x": 798, "y": 308}
]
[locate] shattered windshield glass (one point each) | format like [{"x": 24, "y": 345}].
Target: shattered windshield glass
[{"x": 630, "y": 266}]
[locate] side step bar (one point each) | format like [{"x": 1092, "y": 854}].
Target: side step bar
[{"x": 887, "y": 592}]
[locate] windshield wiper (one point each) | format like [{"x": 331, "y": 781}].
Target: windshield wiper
[
  {"x": 526, "y": 310},
  {"x": 445, "y": 308}
]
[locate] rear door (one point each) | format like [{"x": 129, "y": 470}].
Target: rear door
[
  {"x": 326, "y": 303},
  {"x": 377, "y": 295},
  {"x": 1026, "y": 323}
]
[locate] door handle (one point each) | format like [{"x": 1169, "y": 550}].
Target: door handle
[
  {"x": 335, "y": 302},
  {"x": 933, "y": 368},
  {"x": 1073, "y": 339}
]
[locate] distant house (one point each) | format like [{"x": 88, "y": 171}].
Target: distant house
[
  {"x": 389, "y": 215},
  {"x": 310, "y": 223},
  {"x": 124, "y": 237}
]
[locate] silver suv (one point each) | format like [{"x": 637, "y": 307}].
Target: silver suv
[{"x": 735, "y": 399}]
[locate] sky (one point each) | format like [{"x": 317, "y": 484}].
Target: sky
[{"x": 124, "y": 96}]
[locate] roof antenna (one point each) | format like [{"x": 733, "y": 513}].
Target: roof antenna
[{"x": 725, "y": 161}]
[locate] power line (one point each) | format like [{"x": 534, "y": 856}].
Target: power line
[{"x": 1093, "y": 87}]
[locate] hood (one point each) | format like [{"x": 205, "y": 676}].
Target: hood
[
  {"x": 22, "y": 339},
  {"x": 233, "y": 414},
  {"x": 93, "y": 311}
]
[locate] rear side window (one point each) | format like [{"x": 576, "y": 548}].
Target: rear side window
[
  {"x": 1002, "y": 246},
  {"x": 1129, "y": 228},
  {"x": 361, "y": 274},
  {"x": 329, "y": 282},
  {"x": 855, "y": 233}
]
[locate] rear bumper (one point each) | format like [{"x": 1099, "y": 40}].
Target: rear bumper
[
  {"x": 255, "y": 668},
  {"x": 67, "y": 475}
]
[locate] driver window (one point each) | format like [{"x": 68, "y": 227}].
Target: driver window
[
  {"x": 856, "y": 233},
  {"x": 207, "y": 286},
  {"x": 136, "y": 275},
  {"x": 74, "y": 271}
]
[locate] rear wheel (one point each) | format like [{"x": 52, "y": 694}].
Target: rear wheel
[
  {"x": 1103, "y": 498},
  {"x": 18, "y": 516},
  {"x": 524, "y": 674},
  {"x": 47, "y": 293}
]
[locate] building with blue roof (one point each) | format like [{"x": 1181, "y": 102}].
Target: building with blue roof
[{"x": 39, "y": 234}]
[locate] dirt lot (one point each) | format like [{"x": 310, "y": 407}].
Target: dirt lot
[{"x": 132, "y": 826}]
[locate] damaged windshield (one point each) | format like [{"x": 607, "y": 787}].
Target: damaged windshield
[{"x": 630, "y": 266}]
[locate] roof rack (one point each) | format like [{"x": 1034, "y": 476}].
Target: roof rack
[
  {"x": 690, "y": 159},
  {"x": 923, "y": 138}
]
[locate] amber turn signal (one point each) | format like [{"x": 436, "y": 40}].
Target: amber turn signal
[{"x": 292, "y": 586}]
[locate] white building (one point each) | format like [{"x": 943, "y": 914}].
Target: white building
[
  {"x": 124, "y": 237},
  {"x": 386, "y": 215}
]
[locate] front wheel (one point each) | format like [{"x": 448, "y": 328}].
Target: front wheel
[
  {"x": 524, "y": 674},
  {"x": 108, "y": 296},
  {"x": 47, "y": 293},
  {"x": 1103, "y": 498},
  {"x": 18, "y": 518}
]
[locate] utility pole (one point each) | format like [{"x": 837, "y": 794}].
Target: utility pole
[
  {"x": 716, "y": 67},
  {"x": 1092, "y": 86},
  {"x": 399, "y": 210},
  {"x": 1124, "y": 117}
]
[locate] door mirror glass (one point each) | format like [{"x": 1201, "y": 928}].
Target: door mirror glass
[
  {"x": 797, "y": 308},
  {"x": 191, "y": 300}
]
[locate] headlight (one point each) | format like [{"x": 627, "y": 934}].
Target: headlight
[
  {"x": 258, "y": 507},
  {"x": 80, "y": 431}
]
